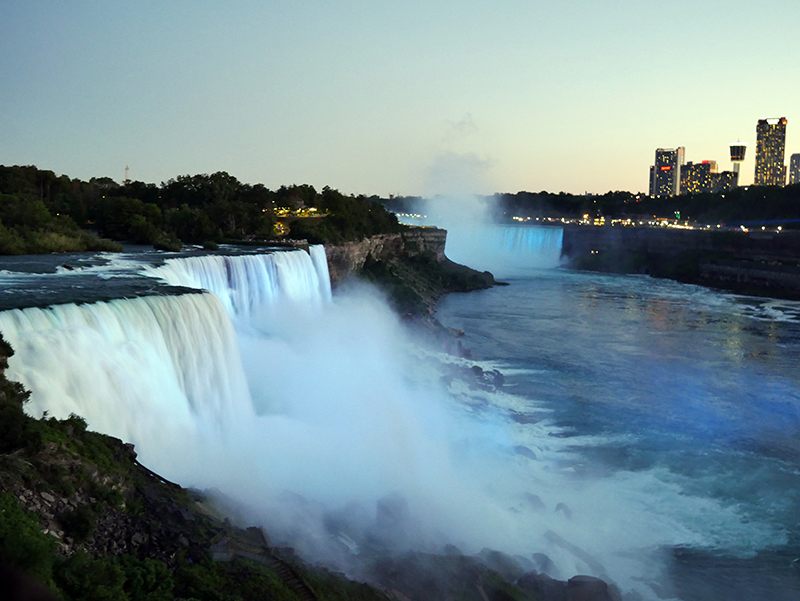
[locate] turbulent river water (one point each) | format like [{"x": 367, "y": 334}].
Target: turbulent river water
[
  {"x": 676, "y": 412},
  {"x": 642, "y": 430}
]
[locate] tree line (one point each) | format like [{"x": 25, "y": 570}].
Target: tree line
[{"x": 43, "y": 212}]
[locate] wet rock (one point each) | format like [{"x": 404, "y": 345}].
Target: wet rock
[
  {"x": 587, "y": 588},
  {"x": 541, "y": 586},
  {"x": 129, "y": 450},
  {"x": 392, "y": 512},
  {"x": 544, "y": 564},
  {"x": 452, "y": 550},
  {"x": 507, "y": 566},
  {"x": 47, "y": 497},
  {"x": 534, "y": 502},
  {"x": 525, "y": 452},
  {"x": 497, "y": 377},
  {"x": 522, "y": 418},
  {"x": 352, "y": 521},
  {"x": 562, "y": 507},
  {"x": 594, "y": 565}
]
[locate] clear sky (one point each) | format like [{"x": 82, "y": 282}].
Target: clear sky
[{"x": 379, "y": 97}]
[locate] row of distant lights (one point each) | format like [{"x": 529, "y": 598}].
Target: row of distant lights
[{"x": 658, "y": 222}]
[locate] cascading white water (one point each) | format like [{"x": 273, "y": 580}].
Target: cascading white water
[
  {"x": 145, "y": 369},
  {"x": 164, "y": 372},
  {"x": 504, "y": 249},
  {"x": 249, "y": 284}
]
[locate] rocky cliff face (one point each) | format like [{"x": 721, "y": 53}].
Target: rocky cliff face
[
  {"x": 350, "y": 257},
  {"x": 751, "y": 246},
  {"x": 759, "y": 263}
]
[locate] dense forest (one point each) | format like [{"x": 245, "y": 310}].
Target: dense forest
[
  {"x": 43, "y": 212},
  {"x": 752, "y": 205}
]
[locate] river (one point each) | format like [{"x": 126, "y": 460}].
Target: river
[
  {"x": 675, "y": 415},
  {"x": 642, "y": 431}
]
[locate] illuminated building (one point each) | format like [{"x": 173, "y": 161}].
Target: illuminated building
[
  {"x": 794, "y": 169},
  {"x": 725, "y": 181},
  {"x": 737, "y": 158},
  {"x": 665, "y": 174},
  {"x": 698, "y": 177},
  {"x": 770, "y": 149}
]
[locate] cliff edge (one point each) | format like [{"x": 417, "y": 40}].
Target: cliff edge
[{"x": 409, "y": 266}]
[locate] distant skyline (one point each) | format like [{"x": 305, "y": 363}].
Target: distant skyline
[{"x": 417, "y": 98}]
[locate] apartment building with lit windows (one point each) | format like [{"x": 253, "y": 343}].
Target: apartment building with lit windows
[
  {"x": 665, "y": 174},
  {"x": 770, "y": 152},
  {"x": 698, "y": 177}
]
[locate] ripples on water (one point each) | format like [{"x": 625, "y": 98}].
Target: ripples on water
[{"x": 687, "y": 396}]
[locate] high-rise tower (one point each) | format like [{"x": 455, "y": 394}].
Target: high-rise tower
[
  {"x": 770, "y": 150},
  {"x": 665, "y": 175},
  {"x": 737, "y": 158},
  {"x": 794, "y": 169}
]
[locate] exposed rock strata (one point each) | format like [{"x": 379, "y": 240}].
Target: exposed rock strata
[
  {"x": 410, "y": 267},
  {"x": 350, "y": 257}
]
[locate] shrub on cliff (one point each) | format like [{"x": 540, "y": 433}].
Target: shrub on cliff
[
  {"x": 22, "y": 543},
  {"x": 87, "y": 579}
]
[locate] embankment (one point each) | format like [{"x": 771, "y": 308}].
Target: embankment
[
  {"x": 410, "y": 266},
  {"x": 759, "y": 263}
]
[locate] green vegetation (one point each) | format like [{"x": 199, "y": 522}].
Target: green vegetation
[
  {"x": 41, "y": 212},
  {"x": 22, "y": 543},
  {"x": 350, "y": 218},
  {"x": 28, "y": 227}
]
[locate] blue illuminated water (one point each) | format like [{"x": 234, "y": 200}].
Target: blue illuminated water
[
  {"x": 504, "y": 249},
  {"x": 684, "y": 399}
]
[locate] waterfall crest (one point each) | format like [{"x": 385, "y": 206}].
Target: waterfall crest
[{"x": 248, "y": 284}]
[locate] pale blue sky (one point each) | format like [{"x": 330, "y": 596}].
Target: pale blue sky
[{"x": 405, "y": 97}]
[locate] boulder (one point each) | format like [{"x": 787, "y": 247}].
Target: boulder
[{"x": 587, "y": 588}]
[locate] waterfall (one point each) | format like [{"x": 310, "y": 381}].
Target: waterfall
[
  {"x": 249, "y": 284},
  {"x": 143, "y": 369},
  {"x": 164, "y": 372},
  {"x": 505, "y": 249}
]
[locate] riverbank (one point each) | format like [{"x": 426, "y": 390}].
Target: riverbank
[{"x": 757, "y": 263}]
